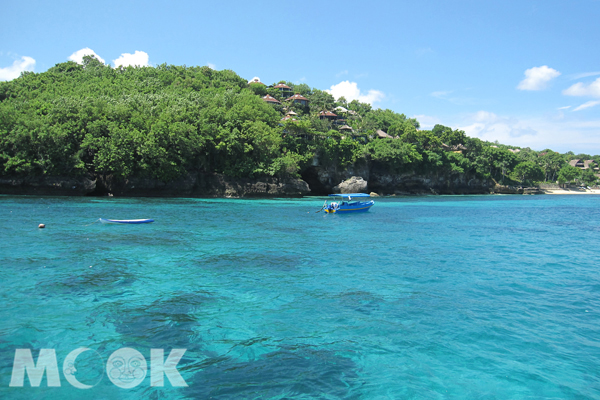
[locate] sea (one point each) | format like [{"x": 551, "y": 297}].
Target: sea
[{"x": 433, "y": 297}]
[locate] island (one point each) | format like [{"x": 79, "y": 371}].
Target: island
[{"x": 170, "y": 130}]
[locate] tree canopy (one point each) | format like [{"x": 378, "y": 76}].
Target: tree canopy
[{"x": 162, "y": 122}]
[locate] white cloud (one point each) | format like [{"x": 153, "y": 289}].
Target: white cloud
[
  {"x": 78, "y": 55},
  {"x": 137, "y": 59},
  {"x": 14, "y": 71},
  {"x": 485, "y": 116},
  {"x": 344, "y": 72},
  {"x": 581, "y": 89},
  {"x": 587, "y": 105},
  {"x": 489, "y": 126},
  {"x": 440, "y": 94},
  {"x": 211, "y": 65},
  {"x": 563, "y": 108},
  {"x": 351, "y": 92},
  {"x": 457, "y": 98},
  {"x": 427, "y": 121},
  {"x": 587, "y": 124},
  {"x": 571, "y": 133},
  {"x": 537, "y": 78},
  {"x": 585, "y": 75}
]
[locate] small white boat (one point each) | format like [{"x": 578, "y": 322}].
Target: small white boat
[{"x": 125, "y": 221}]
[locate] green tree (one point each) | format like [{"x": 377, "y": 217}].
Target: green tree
[
  {"x": 528, "y": 171},
  {"x": 550, "y": 162},
  {"x": 395, "y": 155},
  {"x": 568, "y": 174},
  {"x": 589, "y": 177},
  {"x": 448, "y": 136},
  {"x": 499, "y": 161},
  {"x": 258, "y": 89},
  {"x": 302, "y": 89},
  {"x": 384, "y": 119},
  {"x": 165, "y": 121},
  {"x": 320, "y": 101},
  {"x": 361, "y": 109},
  {"x": 342, "y": 102}
]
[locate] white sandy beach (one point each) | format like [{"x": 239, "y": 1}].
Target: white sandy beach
[{"x": 571, "y": 191}]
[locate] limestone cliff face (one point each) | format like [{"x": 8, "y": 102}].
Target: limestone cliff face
[
  {"x": 425, "y": 184},
  {"x": 325, "y": 180},
  {"x": 48, "y": 185},
  {"x": 329, "y": 180},
  {"x": 204, "y": 185},
  {"x": 191, "y": 185},
  {"x": 316, "y": 180}
]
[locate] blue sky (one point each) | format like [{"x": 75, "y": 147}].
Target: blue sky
[{"x": 525, "y": 73}]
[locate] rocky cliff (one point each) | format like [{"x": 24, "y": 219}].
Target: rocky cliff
[
  {"x": 329, "y": 180},
  {"x": 205, "y": 185},
  {"x": 315, "y": 180},
  {"x": 48, "y": 185},
  {"x": 423, "y": 184},
  {"x": 191, "y": 185}
]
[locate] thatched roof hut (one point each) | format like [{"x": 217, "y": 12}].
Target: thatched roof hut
[
  {"x": 298, "y": 98},
  {"x": 270, "y": 99},
  {"x": 382, "y": 135}
]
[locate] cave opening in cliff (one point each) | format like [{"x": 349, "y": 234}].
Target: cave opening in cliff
[{"x": 311, "y": 176}]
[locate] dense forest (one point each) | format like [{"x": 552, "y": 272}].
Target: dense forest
[{"x": 163, "y": 122}]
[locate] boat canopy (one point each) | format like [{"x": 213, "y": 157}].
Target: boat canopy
[{"x": 350, "y": 195}]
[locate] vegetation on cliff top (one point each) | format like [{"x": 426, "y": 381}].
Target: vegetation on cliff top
[{"x": 161, "y": 122}]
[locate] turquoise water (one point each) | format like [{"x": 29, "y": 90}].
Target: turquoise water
[{"x": 479, "y": 297}]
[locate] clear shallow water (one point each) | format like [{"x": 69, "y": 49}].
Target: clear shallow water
[{"x": 482, "y": 297}]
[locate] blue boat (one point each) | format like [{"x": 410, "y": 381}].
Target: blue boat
[
  {"x": 125, "y": 221},
  {"x": 345, "y": 204}
]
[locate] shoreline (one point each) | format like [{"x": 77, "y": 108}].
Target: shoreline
[{"x": 570, "y": 191}]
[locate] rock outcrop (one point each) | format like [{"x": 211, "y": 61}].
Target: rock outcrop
[
  {"x": 322, "y": 181},
  {"x": 505, "y": 189},
  {"x": 356, "y": 184}
]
